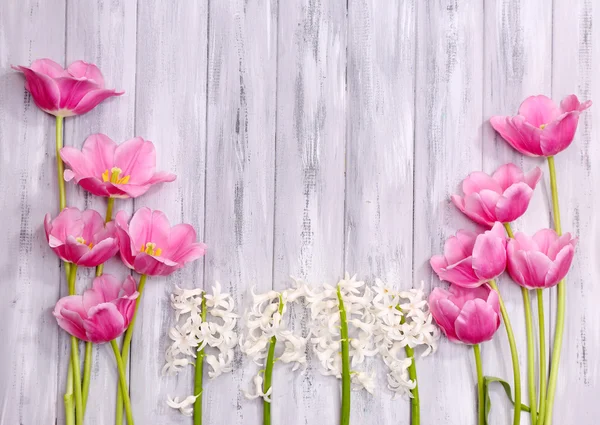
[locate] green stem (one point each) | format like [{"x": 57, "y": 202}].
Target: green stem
[
  {"x": 87, "y": 372},
  {"x": 87, "y": 362},
  {"x": 346, "y": 383},
  {"x": 530, "y": 355},
  {"x": 198, "y": 376},
  {"x": 480, "y": 389},
  {"x": 77, "y": 380},
  {"x": 122, "y": 382},
  {"x": 560, "y": 305},
  {"x": 60, "y": 166},
  {"x": 75, "y": 365},
  {"x": 269, "y": 371},
  {"x": 68, "y": 398},
  {"x": 543, "y": 371},
  {"x": 415, "y": 409},
  {"x": 513, "y": 354},
  {"x": 125, "y": 349}
]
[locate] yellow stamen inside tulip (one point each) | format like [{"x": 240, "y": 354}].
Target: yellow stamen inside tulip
[
  {"x": 543, "y": 126},
  {"x": 115, "y": 176},
  {"x": 151, "y": 249},
  {"x": 81, "y": 240}
]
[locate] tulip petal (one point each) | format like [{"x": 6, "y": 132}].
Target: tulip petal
[
  {"x": 137, "y": 158},
  {"x": 559, "y": 243},
  {"x": 477, "y": 207},
  {"x": 477, "y": 322},
  {"x": 104, "y": 324},
  {"x": 95, "y": 186},
  {"x": 149, "y": 226},
  {"x": 507, "y": 175},
  {"x": 81, "y": 69},
  {"x": 528, "y": 268},
  {"x": 560, "y": 266},
  {"x": 43, "y": 89},
  {"x": 100, "y": 253},
  {"x": 99, "y": 149},
  {"x": 571, "y": 103},
  {"x": 105, "y": 288},
  {"x": 514, "y": 202},
  {"x": 477, "y": 181},
  {"x": 489, "y": 256},
  {"x": 93, "y": 98},
  {"x": 69, "y": 313},
  {"x": 72, "y": 91},
  {"x": 559, "y": 134},
  {"x": 149, "y": 265},
  {"x": 533, "y": 177},
  {"x": 544, "y": 239},
  {"x": 521, "y": 136},
  {"x": 539, "y": 110},
  {"x": 444, "y": 312},
  {"x": 461, "y": 274},
  {"x": 48, "y": 67},
  {"x": 126, "y": 246}
]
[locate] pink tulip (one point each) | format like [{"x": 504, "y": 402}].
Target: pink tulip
[
  {"x": 150, "y": 246},
  {"x": 102, "y": 313},
  {"x": 541, "y": 128},
  {"x": 65, "y": 92},
  {"x": 472, "y": 259},
  {"x": 470, "y": 316},
  {"x": 80, "y": 237},
  {"x": 503, "y": 197},
  {"x": 104, "y": 168},
  {"x": 540, "y": 261}
]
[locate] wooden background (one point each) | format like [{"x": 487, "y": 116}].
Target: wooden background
[{"x": 309, "y": 137}]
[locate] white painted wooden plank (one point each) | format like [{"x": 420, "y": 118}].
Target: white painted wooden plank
[
  {"x": 30, "y": 274},
  {"x": 240, "y": 176},
  {"x": 576, "y": 57},
  {"x": 447, "y": 143},
  {"x": 517, "y": 64},
  {"x": 92, "y": 33},
  {"x": 379, "y": 167},
  {"x": 170, "y": 110},
  {"x": 309, "y": 205}
]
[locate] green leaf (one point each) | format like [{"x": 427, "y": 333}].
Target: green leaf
[{"x": 487, "y": 380}]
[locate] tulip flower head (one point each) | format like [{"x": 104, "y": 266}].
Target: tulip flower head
[
  {"x": 541, "y": 128},
  {"x": 467, "y": 315},
  {"x": 472, "y": 259},
  {"x": 102, "y": 313},
  {"x": 65, "y": 92},
  {"x": 150, "y": 246},
  {"x": 540, "y": 261},
  {"x": 504, "y": 196},
  {"x": 81, "y": 237},
  {"x": 104, "y": 168}
]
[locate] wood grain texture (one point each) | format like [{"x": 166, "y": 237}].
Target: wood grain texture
[
  {"x": 309, "y": 204},
  {"x": 517, "y": 64},
  {"x": 242, "y": 75},
  {"x": 170, "y": 110},
  {"x": 31, "y": 277},
  {"x": 448, "y": 123},
  {"x": 379, "y": 167},
  {"x": 576, "y": 57},
  {"x": 309, "y": 138}
]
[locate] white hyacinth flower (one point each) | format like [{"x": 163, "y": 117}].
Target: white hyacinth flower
[
  {"x": 403, "y": 320},
  {"x": 265, "y": 321},
  {"x": 326, "y": 323},
  {"x": 185, "y": 406},
  {"x": 191, "y": 334}
]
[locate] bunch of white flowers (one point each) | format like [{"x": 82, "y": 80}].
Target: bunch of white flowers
[
  {"x": 326, "y": 326},
  {"x": 265, "y": 327},
  {"x": 193, "y": 332},
  {"x": 403, "y": 320}
]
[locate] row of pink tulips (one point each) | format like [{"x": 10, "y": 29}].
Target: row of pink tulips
[
  {"x": 147, "y": 243},
  {"x": 469, "y": 312}
]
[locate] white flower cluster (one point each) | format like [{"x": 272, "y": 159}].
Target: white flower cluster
[
  {"x": 191, "y": 334},
  {"x": 264, "y": 322},
  {"x": 326, "y": 326},
  {"x": 403, "y": 320}
]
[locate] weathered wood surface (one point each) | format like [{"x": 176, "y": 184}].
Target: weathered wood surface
[{"x": 309, "y": 138}]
